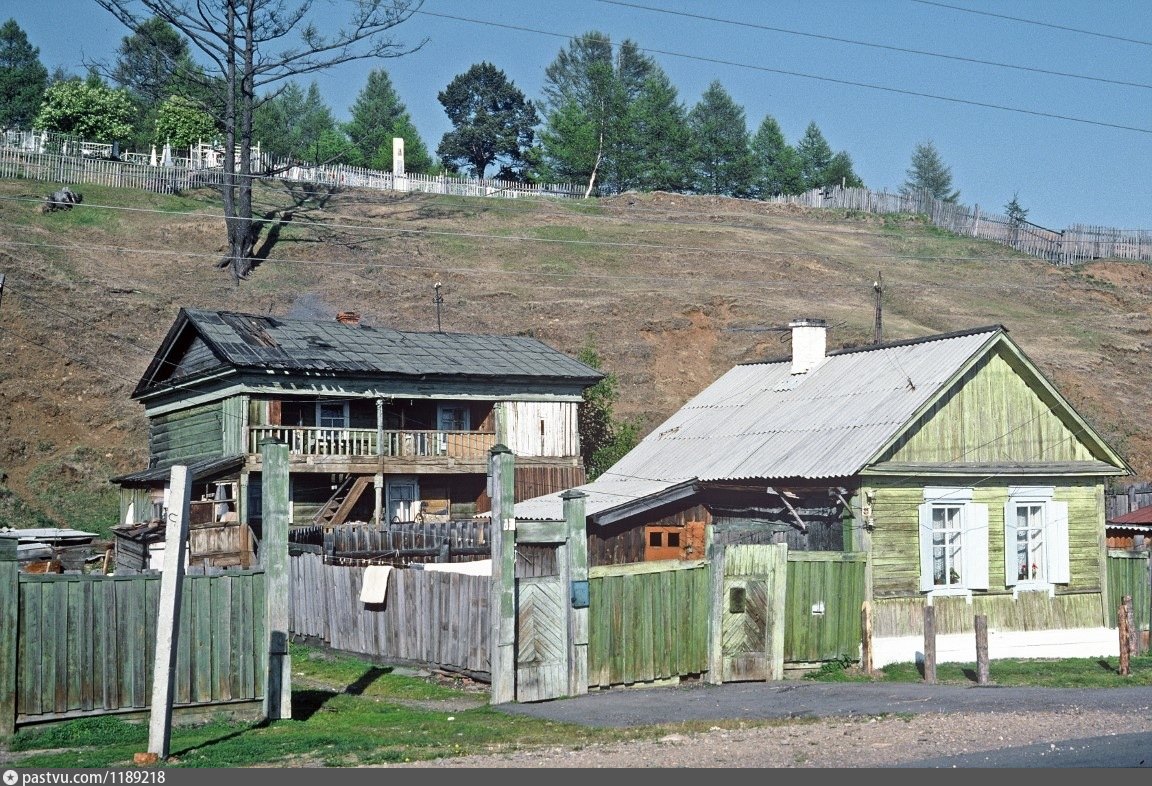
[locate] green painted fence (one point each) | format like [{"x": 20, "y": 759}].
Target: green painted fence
[
  {"x": 1128, "y": 575},
  {"x": 824, "y": 595},
  {"x": 85, "y": 644},
  {"x": 647, "y": 622}
]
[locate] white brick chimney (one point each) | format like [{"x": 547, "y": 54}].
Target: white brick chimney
[{"x": 809, "y": 341}]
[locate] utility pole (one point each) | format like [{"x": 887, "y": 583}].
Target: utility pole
[
  {"x": 437, "y": 300},
  {"x": 878, "y": 328}
]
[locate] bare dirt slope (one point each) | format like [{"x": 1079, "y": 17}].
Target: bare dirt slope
[{"x": 670, "y": 290}]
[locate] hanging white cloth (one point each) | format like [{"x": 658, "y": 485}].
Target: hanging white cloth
[{"x": 375, "y": 586}]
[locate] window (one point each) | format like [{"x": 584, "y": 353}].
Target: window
[
  {"x": 332, "y": 414},
  {"x": 454, "y": 418},
  {"x": 655, "y": 538},
  {"x": 1035, "y": 538},
  {"x": 953, "y": 542}
]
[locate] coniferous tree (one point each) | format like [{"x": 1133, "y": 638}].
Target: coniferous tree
[
  {"x": 660, "y": 139},
  {"x": 776, "y": 164},
  {"x": 815, "y": 155},
  {"x": 378, "y": 116},
  {"x": 492, "y": 122},
  {"x": 839, "y": 172},
  {"x": 928, "y": 172},
  {"x": 722, "y": 160},
  {"x": 23, "y": 78}
]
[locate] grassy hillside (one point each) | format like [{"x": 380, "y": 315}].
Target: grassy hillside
[{"x": 670, "y": 290}]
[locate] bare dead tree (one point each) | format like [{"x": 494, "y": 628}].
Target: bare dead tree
[{"x": 249, "y": 46}]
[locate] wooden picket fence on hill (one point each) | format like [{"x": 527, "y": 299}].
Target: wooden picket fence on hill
[{"x": 64, "y": 160}]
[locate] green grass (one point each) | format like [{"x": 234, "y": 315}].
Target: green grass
[
  {"x": 346, "y": 712},
  {"x": 1046, "y": 673}
]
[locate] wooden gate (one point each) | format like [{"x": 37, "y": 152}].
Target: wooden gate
[
  {"x": 748, "y": 613},
  {"x": 541, "y": 623}
]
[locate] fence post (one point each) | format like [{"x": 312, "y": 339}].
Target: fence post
[
  {"x": 574, "y": 508},
  {"x": 9, "y": 627},
  {"x": 274, "y": 558},
  {"x": 1122, "y": 618},
  {"x": 168, "y": 615},
  {"x": 981, "y": 649},
  {"x": 866, "y": 638},
  {"x": 502, "y": 597},
  {"x": 930, "y": 644}
]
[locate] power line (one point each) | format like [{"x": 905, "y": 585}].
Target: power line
[
  {"x": 1034, "y": 22},
  {"x": 902, "y": 50},
  {"x": 833, "y": 80}
]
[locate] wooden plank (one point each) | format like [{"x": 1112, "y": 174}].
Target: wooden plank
[
  {"x": 73, "y": 667},
  {"x": 182, "y": 688},
  {"x": 30, "y": 660},
  {"x": 201, "y": 591},
  {"x": 645, "y": 655},
  {"x": 87, "y": 664},
  {"x": 110, "y": 638},
  {"x": 222, "y": 665}
]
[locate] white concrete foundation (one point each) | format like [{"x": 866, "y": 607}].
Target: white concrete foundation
[{"x": 961, "y": 647}]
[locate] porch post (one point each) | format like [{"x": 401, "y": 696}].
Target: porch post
[
  {"x": 502, "y": 592},
  {"x": 574, "y": 507},
  {"x": 274, "y": 558}
]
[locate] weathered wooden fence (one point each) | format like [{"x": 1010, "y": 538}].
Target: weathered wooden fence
[
  {"x": 85, "y": 644},
  {"x": 1128, "y": 499},
  {"x": 1078, "y": 243},
  {"x": 647, "y": 621},
  {"x": 428, "y": 617},
  {"x": 1129, "y": 574},
  {"x": 409, "y": 541}
]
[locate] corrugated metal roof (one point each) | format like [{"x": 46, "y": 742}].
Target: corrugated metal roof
[
  {"x": 760, "y": 421},
  {"x": 197, "y": 470},
  {"x": 305, "y": 345},
  {"x": 605, "y": 493}
]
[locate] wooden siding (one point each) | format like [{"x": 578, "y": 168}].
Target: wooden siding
[
  {"x": 540, "y": 428},
  {"x": 196, "y": 359},
  {"x": 895, "y": 541},
  {"x": 87, "y": 643},
  {"x": 824, "y": 595},
  {"x": 187, "y": 435},
  {"x": 992, "y": 416},
  {"x": 537, "y": 481},
  {"x": 234, "y": 411},
  {"x": 647, "y": 622},
  {"x": 621, "y": 544},
  {"x": 427, "y": 617},
  {"x": 1031, "y": 611}
]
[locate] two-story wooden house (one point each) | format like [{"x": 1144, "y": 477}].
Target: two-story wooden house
[{"x": 382, "y": 425}]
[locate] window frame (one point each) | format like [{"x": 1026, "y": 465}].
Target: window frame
[
  {"x": 1054, "y": 535},
  {"x": 973, "y": 533}
]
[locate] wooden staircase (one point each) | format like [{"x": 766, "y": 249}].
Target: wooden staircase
[{"x": 343, "y": 499}]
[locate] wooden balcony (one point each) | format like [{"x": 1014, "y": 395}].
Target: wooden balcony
[{"x": 314, "y": 441}]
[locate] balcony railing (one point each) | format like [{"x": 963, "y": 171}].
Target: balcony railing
[{"x": 314, "y": 441}]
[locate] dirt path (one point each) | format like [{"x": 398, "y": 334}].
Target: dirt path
[{"x": 831, "y": 742}]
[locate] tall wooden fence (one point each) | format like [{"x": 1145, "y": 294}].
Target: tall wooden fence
[
  {"x": 428, "y": 617},
  {"x": 85, "y": 644},
  {"x": 410, "y": 541},
  {"x": 1130, "y": 573},
  {"x": 824, "y": 593},
  {"x": 647, "y": 621}
]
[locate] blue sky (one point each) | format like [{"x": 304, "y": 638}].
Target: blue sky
[{"x": 1068, "y": 128}]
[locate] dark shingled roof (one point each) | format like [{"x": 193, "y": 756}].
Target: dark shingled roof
[{"x": 250, "y": 341}]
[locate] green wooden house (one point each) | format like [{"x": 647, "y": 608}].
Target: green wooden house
[
  {"x": 382, "y": 425},
  {"x": 958, "y": 471}
]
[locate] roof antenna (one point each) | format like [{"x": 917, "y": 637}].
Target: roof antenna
[
  {"x": 438, "y": 300},
  {"x": 878, "y": 327}
]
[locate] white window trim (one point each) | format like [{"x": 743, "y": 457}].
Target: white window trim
[
  {"x": 974, "y": 527},
  {"x": 1055, "y": 537}
]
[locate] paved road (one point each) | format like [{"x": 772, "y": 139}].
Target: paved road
[{"x": 802, "y": 698}]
